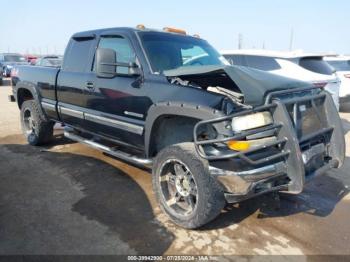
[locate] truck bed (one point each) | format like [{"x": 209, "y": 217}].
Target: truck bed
[{"x": 44, "y": 78}]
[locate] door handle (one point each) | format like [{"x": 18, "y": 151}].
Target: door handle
[{"x": 89, "y": 85}]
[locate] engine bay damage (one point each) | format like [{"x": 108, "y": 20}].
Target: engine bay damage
[{"x": 243, "y": 85}]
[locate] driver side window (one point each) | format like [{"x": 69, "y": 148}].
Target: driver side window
[{"x": 121, "y": 46}]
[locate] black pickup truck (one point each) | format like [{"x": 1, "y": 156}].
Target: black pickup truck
[{"x": 211, "y": 133}]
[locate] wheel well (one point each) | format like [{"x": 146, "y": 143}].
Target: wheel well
[
  {"x": 23, "y": 95},
  {"x": 170, "y": 130}
]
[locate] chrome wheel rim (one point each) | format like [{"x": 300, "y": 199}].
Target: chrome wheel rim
[
  {"x": 178, "y": 187},
  {"x": 29, "y": 123}
]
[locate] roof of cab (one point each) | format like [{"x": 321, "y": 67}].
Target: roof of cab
[{"x": 96, "y": 32}]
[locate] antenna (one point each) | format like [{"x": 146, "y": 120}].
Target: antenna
[
  {"x": 240, "y": 41},
  {"x": 291, "y": 39}
]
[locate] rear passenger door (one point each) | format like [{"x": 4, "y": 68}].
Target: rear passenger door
[{"x": 72, "y": 81}]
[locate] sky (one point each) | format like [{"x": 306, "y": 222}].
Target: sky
[{"x": 39, "y": 26}]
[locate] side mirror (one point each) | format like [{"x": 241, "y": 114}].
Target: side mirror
[{"x": 106, "y": 62}]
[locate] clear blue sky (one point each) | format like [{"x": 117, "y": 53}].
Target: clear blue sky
[{"x": 319, "y": 26}]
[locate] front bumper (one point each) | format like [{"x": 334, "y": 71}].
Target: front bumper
[{"x": 288, "y": 162}]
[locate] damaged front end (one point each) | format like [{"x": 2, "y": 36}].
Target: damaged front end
[
  {"x": 304, "y": 139},
  {"x": 280, "y": 133}
]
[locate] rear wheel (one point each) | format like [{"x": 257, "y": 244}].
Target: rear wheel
[
  {"x": 184, "y": 188},
  {"x": 35, "y": 127}
]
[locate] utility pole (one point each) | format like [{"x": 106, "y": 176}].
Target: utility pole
[
  {"x": 291, "y": 39},
  {"x": 240, "y": 41}
]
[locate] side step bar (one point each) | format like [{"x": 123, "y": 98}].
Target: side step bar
[{"x": 108, "y": 150}]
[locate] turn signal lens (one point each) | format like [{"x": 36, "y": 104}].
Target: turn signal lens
[
  {"x": 238, "y": 145},
  {"x": 174, "y": 30}
]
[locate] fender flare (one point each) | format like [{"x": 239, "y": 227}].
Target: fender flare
[
  {"x": 26, "y": 85},
  {"x": 199, "y": 112},
  {"x": 33, "y": 89}
]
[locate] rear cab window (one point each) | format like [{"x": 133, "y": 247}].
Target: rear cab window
[
  {"x": 316, "y": 65},
  {"x": 77, "y": 57}
]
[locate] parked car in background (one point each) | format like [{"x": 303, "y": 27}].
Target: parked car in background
[
  {"x": 306, "y": 67},
  {"x": 31, "y": 59},
  {"x": 9, "y": 60},
  {"x": 1, "y": 74},
  {"x": 49, "y": 61},
  {"x": 342, "y": 66},
  {"x": 14, "y": 76}
]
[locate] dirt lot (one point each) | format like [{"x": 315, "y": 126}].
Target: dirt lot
[{"x": 70, "y": 199}]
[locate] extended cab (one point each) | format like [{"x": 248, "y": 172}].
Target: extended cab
[{"x": 212, "y": 133}]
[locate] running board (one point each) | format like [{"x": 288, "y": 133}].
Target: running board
[{"x": 108, "y": 150}]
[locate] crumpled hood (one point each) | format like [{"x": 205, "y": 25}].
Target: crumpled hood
[{"x": 254, "y": 84}]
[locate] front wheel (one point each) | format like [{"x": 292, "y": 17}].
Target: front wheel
[
  {"x": 35, "y": 127},
  {"x": 184, "y": 188}
]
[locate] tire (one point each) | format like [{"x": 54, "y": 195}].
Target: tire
[
  {"x": 35, "y": 127},
  {"x": 204, "y": 191}
]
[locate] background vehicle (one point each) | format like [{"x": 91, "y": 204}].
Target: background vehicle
[
  {"x": 8, "y": 60},
  {"x": 342, "y": 65},
  {"x": 31, "y": 59},
  {"x": 301, "y": 66},
  {"x": 49, "y": 61},
  {"x": 212, "y": 133}
]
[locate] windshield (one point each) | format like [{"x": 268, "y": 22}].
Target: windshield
[
  {"x": 14, "y": 58},
  {"x": 340, "y": 65},
  {"x": 170, "y": 51}
]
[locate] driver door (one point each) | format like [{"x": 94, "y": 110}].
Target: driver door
[{"x": 115, "y": 107}]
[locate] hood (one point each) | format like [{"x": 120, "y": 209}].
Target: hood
[{"x": 252, "y": 83}]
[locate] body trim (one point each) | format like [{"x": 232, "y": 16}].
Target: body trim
[
  {"x": 114, "y": 123},
  {"x": 48, "y": 106},
  {"x": 71, "y": 112}
]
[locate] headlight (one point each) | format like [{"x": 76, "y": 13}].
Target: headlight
[{"x": 242, "y": 123}]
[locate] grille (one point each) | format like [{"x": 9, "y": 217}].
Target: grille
[{"x": 307, "y": 117}]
